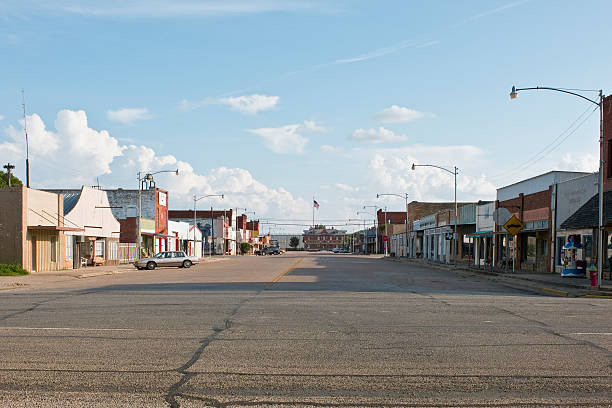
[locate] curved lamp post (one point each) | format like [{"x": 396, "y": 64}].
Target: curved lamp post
[
  {"x": 147, "y": 177},
  {"x": 600, "y": 229},
  {"x": 454, "y": 173},
  {"x": 375, "y": 229},
  {"x": 405, "y": 196},
  {"x": 196, "y": 199}
]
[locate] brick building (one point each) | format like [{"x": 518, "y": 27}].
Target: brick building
[
  {"x": 218, "y": 224},
  {"x": 318, "y": 239},
  {"x": 530, "y": 201},
  {"x": 124, "y": 207}
]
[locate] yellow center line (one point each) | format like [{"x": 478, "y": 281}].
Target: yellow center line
[{"x": 284, "y": 273}]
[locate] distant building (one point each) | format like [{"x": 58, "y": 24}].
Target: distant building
[
  {"x": 284, "y": 240},
  {"x": 317, "y": 239}
]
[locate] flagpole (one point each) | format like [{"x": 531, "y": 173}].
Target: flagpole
[{"x": 313, "y": 207}]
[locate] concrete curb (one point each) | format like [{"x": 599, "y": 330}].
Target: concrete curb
[{"x": 511, "y": 281}]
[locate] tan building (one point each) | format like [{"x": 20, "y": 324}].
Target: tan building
[{"x": 32, "y": 231}]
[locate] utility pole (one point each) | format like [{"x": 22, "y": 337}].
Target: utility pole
[
  {"x": 25, "y": 130},
  {"x": 9, "y": 168}
]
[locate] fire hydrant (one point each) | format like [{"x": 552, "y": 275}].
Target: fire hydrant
[{"x": 593, "y": 275}]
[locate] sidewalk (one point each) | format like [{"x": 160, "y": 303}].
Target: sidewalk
[
  {"x": 547, "y": 283},
  {"x": 13, "y": 282}
]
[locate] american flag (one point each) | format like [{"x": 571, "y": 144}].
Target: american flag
[{"x": 316, "y": 205}]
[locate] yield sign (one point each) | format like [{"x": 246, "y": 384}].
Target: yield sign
[{"x": 513, "y": 225}]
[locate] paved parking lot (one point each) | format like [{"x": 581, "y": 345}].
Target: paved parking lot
[{"x": 300, "y": 330}]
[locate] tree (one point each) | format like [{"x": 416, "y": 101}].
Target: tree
[
  {"x": 294, "y": 242},
  {"x": 319, "y": 226},
  {"x": 4, "y": 180},
  {"x": 245, "y": 247}
]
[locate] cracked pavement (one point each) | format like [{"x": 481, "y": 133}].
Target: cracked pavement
[{"x": 303, "y": 330}]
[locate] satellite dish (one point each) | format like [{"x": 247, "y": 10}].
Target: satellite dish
[{"x": 501, "y": 216}]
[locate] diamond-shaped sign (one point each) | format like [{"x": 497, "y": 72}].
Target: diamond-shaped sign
[{"x": 513, "y": 225}]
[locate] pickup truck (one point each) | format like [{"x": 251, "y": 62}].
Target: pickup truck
[{"x": 168, "y": 258}]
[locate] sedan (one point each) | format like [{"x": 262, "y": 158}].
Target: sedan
[{"x": 168, "y": 258}]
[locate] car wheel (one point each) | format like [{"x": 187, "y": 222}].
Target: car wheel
[
  {"x": 186, "y": 264},
  {"x": 151, "y": 265}
]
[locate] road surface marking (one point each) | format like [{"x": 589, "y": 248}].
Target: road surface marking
[
  {"x": 591, "y": 334},
  {"x": 283, "y": 274}
]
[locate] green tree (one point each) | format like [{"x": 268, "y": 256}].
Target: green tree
[
  {"x": 320, "y": 226},
  {"x": 294, "y": 242},
  {"x": 4, "y": 180},
  {"x": 245, "y": 247}
]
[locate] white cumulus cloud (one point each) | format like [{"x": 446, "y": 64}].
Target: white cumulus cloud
[
  {"x": 251, "y": 104},
  {"x": 579, "y": 162},
  {"x": 75, "y": 154},
  {"x": 129, "y": 115},
  {"x": 399, "y": 114},
  {"x": 287, "y": 139},
  {"x": 379, "y": 135}
]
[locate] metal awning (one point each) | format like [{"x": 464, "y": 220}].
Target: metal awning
[{"x": 54, "y": 228}]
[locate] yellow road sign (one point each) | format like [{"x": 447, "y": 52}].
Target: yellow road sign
[{"x": 513, "y": 225}]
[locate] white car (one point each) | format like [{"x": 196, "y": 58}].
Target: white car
[{"x": 168, "y": 258}]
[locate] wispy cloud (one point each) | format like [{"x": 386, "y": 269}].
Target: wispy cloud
[
  {"x": 129, "y": 115},
  {"x": 1, "y": 117},
  {"x": 399, "y": 114},
  {"x": 379, "y": 135},
  {"x": 287, "y": 139},
  {"x": 250, "y": 104},
  {"x": 492, "y": 11}
]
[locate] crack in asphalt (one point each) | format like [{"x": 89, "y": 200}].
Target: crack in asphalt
[
  {"x": 546, "y": 328},
  {"x": 173, "y": 391},
  {"x": 270, "y": 403},
  {"x": 41, "y": 303}
]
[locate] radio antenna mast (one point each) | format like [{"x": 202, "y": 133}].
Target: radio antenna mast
[{"x": 25, "y": 130}]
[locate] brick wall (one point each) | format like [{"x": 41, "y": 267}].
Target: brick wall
[
  {"x": 13, "y": 225},
  {"x": 607, "y": 143},
  {"x": 417, "y": 209}
]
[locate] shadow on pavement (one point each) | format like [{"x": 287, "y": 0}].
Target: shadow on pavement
[{"x": 342, "y": 273}]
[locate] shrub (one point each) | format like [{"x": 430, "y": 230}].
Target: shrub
[
  {"x": 12, "y": 270},
  {"x": 245, "y": 247}
]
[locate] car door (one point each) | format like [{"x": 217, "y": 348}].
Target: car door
[
  {"x": 166, "y": 259},
  {"x": 178, "y": 258}
]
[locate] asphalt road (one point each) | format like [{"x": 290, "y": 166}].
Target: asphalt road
[{"x": 303, "y": 331}]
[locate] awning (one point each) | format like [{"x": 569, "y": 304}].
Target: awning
[{"x": 54, "y": 228}]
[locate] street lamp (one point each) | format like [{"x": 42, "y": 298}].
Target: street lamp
[
  {"x": 376, "y": 224},
  {"x": 365, "y": 231},
  {"x": 600, "y": 234},
  {"x": 375, "y": 228},
  {"x": 196, "y": 199},
  {"x": 453, "y": 172},
  {"x": 405, "y": 196},
  {"x": 147, "y": 177}
]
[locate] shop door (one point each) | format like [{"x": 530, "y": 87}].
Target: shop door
[{"x": 33, "y": 260}]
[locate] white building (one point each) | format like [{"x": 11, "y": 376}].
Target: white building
[{"x": 184, "y": 241}]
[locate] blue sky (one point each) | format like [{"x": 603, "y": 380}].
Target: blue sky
[{"x": 272, "y": 102}]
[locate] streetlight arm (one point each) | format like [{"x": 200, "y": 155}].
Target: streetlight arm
[
  {"x": 546, "y": 88},
  {"x": 209, "y": 195},
  {"x": 437, "y": 167}
]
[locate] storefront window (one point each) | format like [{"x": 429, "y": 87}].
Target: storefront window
[{"x": 529, "y": 249}]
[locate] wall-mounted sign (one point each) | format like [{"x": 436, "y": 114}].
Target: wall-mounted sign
[{"x": 162, "y": 198}]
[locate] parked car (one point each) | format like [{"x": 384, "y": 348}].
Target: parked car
[
  {"x": 168, "y": 258},
  {"x": 270, "y": 251}
]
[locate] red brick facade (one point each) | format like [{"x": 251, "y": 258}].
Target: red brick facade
[
  {"x": 607, "y": 141},
  {"x": 322, "y": 239}
]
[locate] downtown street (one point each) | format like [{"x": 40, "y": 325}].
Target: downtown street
[{"x": 299, "y": 330}]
